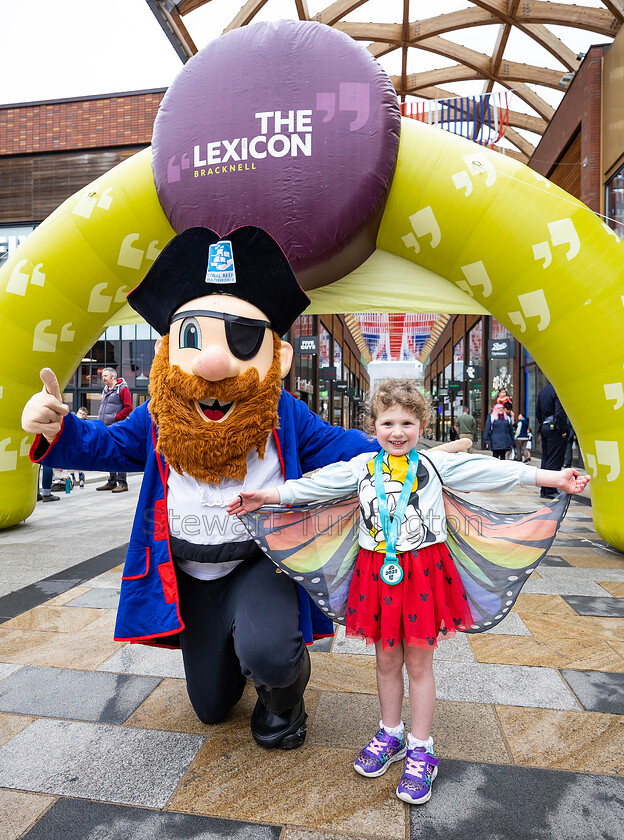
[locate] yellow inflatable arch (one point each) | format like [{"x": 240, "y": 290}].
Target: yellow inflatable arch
[{"x": 465, "y": 229}]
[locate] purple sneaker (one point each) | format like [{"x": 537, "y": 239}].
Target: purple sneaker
[
  {"x": 421, "y": 768},
  {"x": 379, "y": 754}
]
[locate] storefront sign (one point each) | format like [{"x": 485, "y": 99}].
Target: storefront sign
[
  {"x": 454, "y": 385},
  {"x": 472, "y": 372},
  {"x": 306, "y": 345},
  {"x": 350, "y": 392},
  {"x": 327, "y": 373},
  {"x": 502, "y": 348},
  {"x": 341, "y": 385},
  {"x": 443, "y": 392}
]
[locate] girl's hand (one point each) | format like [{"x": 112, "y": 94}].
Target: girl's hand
[
  {"x": 252, "y": 500},
  {"x": 572, "y": 482}
]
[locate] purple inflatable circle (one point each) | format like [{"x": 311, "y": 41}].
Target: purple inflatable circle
[{"x": 291, "y": 126}]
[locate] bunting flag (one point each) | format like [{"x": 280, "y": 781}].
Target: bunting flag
[
  {"x": 483, "y": 119},
  {"x": 395, "y": 337},
  {"x": 317, "y": 546}
]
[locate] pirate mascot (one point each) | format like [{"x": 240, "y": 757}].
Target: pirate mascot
[{"x": 217, "y": 423}]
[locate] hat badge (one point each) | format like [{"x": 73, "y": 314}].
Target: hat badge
[{"x": 221, "y": 263}]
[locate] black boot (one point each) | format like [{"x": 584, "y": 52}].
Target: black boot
[{"x": 279, "y": 718}]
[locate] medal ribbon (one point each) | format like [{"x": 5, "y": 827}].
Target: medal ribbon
[{"x": 391, "y": 525}]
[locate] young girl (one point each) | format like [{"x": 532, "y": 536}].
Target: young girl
[{"x": 405, "y": 592}]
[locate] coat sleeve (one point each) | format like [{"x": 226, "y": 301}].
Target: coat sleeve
[
  {"x": 90, "y": 445},
  {"x": 126, "y": 398},
  {"x": 487, "y": 432},
  {"x": 321, "y": 444}
]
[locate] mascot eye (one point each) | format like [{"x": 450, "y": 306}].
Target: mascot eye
[{"x": 190, "y": 334}]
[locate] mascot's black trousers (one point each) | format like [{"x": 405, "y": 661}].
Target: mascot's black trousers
[{"x": 246, "y": 625}]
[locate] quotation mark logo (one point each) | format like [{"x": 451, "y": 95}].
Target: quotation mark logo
[{"x": 352, "y": 96}]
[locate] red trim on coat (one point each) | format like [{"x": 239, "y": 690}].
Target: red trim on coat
[
  {"x": 36, "y": 442},
  {"x": 279, "y": 453},
  {"x": 140, "y": 639},
  {"x": 166, "y": 570},
  {"x": 147, "y": 564}
]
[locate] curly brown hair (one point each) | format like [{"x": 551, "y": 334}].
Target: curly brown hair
[{"x": 402, "y": 392}]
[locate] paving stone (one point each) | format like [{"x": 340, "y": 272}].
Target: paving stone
[
  {"x": 511, "y": 625},
  {"x": 107, "y": 580},
  {"x": 608, "y": 607},
  {"x": 103, "y": 599},
  {"x": 349, "y": 645},
  {"x": 562, "y": 586},
  {"x": 121, "y": 822},
  {"x": 580, "y": 573},
  {"x": 19, "y": 810},
  {"x": 322, "y": 645},
  {"x": 507, "y": 685},
  {"x": 597, "y": 691},
  {"x": 92, "y": 761},
  {"x": 79, "y": 695},
  {"x": 487, "y": 801},
  {"x": 10, "y": 725},
  {"x": 553, "y": 560},
  {"x": 455, "y": 649},
  {"x": 6, "y": 670},
  {"x": 143, "y": 659}
]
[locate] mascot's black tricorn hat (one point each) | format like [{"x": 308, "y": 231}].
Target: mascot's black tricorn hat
[{"x": 246, "y": 263}]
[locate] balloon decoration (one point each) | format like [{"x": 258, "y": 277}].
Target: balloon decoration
[{"x": 376, "y": 214}]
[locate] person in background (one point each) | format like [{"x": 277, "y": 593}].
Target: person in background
[
  {"x": 498, "y": 432},
  {"x": 46, "y": 495},
  {"x": 522, "y": 436},
  {"x": 505, "y": 400},
  {"x": 83, "y": 414},
  {"x": 529, "y": 444},
  {"x": 116, "y": 405},
  {"x": 466, "y": 426},
  {"x": 552, "y": 422},
  {"x": 567, "y": 461}
]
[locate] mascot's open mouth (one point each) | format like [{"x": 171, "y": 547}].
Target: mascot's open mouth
[{"x": 213, "y": 409}]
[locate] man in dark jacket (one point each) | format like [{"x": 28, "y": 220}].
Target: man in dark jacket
[
  {"x": 115, "y": 406},
  {"x": 552, "y": 423}
]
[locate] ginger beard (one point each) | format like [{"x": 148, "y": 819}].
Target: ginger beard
[{"x": 210, "y": 450}]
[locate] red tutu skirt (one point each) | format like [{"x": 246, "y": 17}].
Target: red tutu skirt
[{"x": 428, "y": 604}]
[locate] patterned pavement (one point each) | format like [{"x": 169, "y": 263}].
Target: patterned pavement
[{"x": 98, "y": 740}]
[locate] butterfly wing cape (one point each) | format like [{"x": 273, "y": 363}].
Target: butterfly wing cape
[
  {"x": 494, "y": 553},
  {"x": 315, "y": 544}
]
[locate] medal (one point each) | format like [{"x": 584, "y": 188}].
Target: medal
[{"x": 391, "y": 571}]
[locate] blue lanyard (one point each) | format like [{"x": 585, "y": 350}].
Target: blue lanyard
[{"x": 391, "y": 571}]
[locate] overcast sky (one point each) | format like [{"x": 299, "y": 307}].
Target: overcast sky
[{"x": 54, "y": 49}]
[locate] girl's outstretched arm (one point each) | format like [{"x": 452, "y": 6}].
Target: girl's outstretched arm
[
  {"x": 460, "y": 445},
  {"x": 569, "y": 480},
  {"x": 246, "y": 502}
]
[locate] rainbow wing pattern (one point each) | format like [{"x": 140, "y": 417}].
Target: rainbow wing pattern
[
  {"x": 316, "y": 545},
  {"x": 496, "y": 552}
]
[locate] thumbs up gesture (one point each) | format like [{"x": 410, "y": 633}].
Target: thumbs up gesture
[{"x": 43, "y": 413}]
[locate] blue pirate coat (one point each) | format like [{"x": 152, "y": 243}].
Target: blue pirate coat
[{"x": 148, "y": 606}]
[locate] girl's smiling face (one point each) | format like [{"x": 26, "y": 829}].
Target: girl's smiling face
[{"x": 397, "y": 430}]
